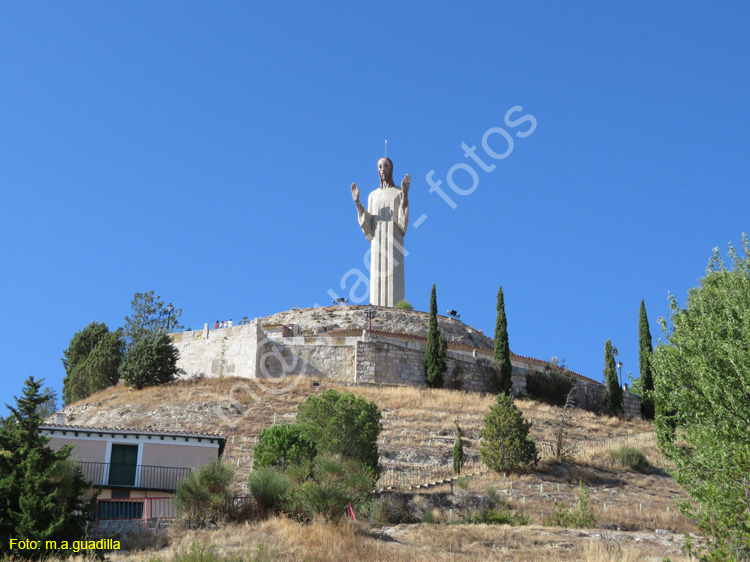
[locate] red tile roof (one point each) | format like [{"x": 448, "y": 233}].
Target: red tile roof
[{"x": 134, "y": 430}]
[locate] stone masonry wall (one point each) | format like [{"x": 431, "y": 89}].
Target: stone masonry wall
[
  {"x": 247, "y": 351},
  {"x": 383, "y": 360},
  {"x": 590, "y": 395},
  {"x": 218, "y": 352},
  {"x": 309, "y": 356}
]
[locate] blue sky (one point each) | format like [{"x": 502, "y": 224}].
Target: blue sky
[{"x": 205, "y": 151}]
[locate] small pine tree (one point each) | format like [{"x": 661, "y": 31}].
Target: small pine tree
[
  {"x": 506, "y": 445},
  {"x": 503, "y": 365},
  {"x": 43, "y": 494},
  {"x": 459, "y": 457},
  {"x": 151, "y": 361},
  {"x": 645, "y": 351},
  {"x": 436, "y": 349},
  {"x": 283, "y": 445},
  {"x": 612, "y": 391}
]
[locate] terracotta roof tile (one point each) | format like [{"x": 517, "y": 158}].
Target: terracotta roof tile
[{"x": 134, "y": 430}]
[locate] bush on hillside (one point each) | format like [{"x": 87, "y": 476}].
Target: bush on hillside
[
  {"x": 283, "y": 445},
  {"x": 550, "y": 386},
  {"x": 342, "y": 424},
  {"x": 335, "y": 484},
  {"x": 404, "y": 305},
  {"x": 270, "y": 488},
  {"x": 631, "y": 459},
  {"x": 151, "y": 361},
  {"x": 506, "y": 445},
  {"x": 204, "y": 496},
  {"x": 582, "y": 517}
]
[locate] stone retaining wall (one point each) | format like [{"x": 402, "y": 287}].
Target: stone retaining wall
[
  {"x": 247, "y": 351},
  {"x": 217, "y": 353}
]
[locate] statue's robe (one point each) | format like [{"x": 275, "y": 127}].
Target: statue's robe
[{"x": 384, "y": 224}]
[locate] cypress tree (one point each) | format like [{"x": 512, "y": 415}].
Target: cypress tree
[
  {"x": 436, "y": 349},
  {"x": 612, "y": 391},
  {"x": 459, "y": 457},
  {"x": 503, "y": 367},
  {"x": 645, "y": 350}
]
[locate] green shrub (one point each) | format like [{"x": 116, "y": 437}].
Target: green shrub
[
  {"x": 404, "y": 305},
  {"x": 506, "y": 445},
  {"x": 269, "y": 488},
  {"x": 580, "y": 518},
  {"x": 335, "y": 484},
  {"x": 204, "y": 496},
  {"x": 550, "y": 387},
  {"x": 632, "y": 459},
  {"x": 342, "y": 424},
  {"x": 283, "y": 445}
]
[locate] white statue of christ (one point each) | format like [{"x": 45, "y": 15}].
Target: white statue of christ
[{"x": 384, "y": 223}]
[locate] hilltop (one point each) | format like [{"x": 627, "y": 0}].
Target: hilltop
[{"x": 633, "y": 508}]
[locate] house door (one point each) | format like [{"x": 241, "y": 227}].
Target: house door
[{"x": 122, "y": 467}]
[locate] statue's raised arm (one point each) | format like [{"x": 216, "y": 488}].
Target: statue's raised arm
[
  {"x": 405, "y": 183},
  {"x": 364, "y": 218}
]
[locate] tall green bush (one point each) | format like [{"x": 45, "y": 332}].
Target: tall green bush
[
  {"x": 436, "y": 349},
  {"x": 459, "y": 457},
  {"x": 612, "y": 390},
  {"x": 506, "y": 445},
  {"x": 502, "y": 347},
  {"x": 645, "y": 352},
  {"x": 342, "y": 424}
]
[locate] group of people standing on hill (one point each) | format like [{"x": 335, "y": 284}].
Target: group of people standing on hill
[{"x": 223, "y": 324}]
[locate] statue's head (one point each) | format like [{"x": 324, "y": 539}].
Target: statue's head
[{"x": 385, "y": 170}]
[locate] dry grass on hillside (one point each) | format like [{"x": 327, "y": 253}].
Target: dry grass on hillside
[
  {"x": 418, "y": 431},
  {"x": 418, "y": 420},
  {"x": 285, "y": 540}
]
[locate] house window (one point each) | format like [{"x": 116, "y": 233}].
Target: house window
[
  {"x": 109, "y": 509},
  {"x": 123, "y": 461}
]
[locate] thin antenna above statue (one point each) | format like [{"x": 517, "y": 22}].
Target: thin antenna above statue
[{"x": 386, "y": 149}]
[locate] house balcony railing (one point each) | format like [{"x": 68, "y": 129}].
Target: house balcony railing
[{"x": 104, "y": 474}]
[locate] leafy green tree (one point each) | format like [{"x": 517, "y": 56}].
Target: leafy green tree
[
  {"x": 283, "y": 445},
  {"x": 43, "y": 495},
  {"x": 612, "y": 390},
  {"x": 702, "y": 398},
  {"x": 502, "y": 347},
  {"x": 342, "y": 424},
  {"x": 506, "y": 445},
  {"x": 459, "y": 457},
  {"x": 149, "y": 317},
  {"x": 151, "y": 361},
  {"x": 645, "y": 351},
  {"x": 436, "y": 350},
  {"x": 92, "y": 361}
]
